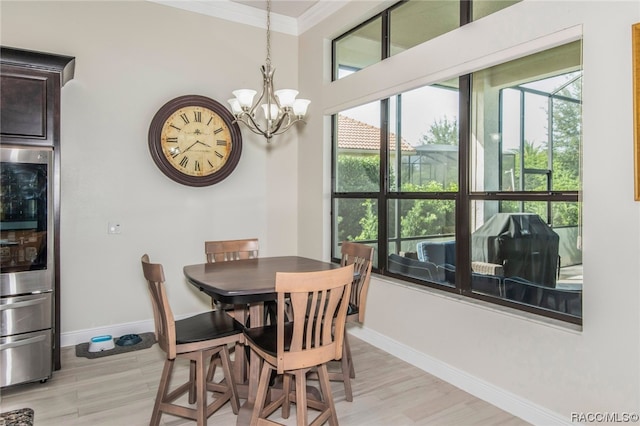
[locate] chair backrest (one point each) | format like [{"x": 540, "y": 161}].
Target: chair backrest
[
  {"x": 222, "y": 251},
  {"x": 361, "y": 256},
  {"x": 317, "y": 302},
  {"x": 162, "y": 314}
]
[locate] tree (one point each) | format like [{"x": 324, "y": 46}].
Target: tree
[{"x": 442, "y": 131}]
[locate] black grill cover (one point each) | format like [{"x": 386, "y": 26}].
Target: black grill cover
[{"x": 522, "y": 242}]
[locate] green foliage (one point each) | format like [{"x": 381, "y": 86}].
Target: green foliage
[
  {"x": 443, "y": 132},
  {"x": 358, "y": 173},
  {"x": 427, "y": 217}
]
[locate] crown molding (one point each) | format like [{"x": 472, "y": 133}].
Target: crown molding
[
  {"x": 240, "y": 13},
  {"x": 319, "y": 12}
]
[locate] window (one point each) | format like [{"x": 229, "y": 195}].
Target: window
[
  {"x": 473, "y": 184},
  {"x": 407, "y": 23}
]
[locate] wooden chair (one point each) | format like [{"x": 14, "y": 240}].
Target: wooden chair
[
  {"x": 197, "y": 339},
  {"x": 222, "y": 251},
  {"x": 361, "y": 257},
  {"x": 318, "y": 304},
  {"x": 228, "y": 250}
]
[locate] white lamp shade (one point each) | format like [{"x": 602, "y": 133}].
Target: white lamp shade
[
  {"x": 286, "y": 97},
  {"x": 245, "y": 97},
  {"x": 235, "y": 106},
  {"x": 274, "y": 111},
  {"x": 300, "y": 107}
]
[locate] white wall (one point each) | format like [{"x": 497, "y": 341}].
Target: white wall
[
  {"x": 131, "y": 58},
  {"x": 134, "y": 56},
  {"x": 551, "y": 370}
]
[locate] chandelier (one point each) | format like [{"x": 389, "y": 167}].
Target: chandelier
[{"x": 279, "y": 108}]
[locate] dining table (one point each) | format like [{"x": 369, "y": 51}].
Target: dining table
[{"x": 247, "y": 284}]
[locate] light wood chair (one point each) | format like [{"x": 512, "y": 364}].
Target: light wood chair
[
  {"x": 361, "y": 257},
  {"x": 223, "y": 251},
  {"x": 197, "y": 339},
  {"x": 318, "y": 303}
]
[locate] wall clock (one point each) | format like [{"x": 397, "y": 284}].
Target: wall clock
[{"x": 194, "y": 141}]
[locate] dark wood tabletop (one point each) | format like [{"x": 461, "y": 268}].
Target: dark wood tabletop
[{"x": 248, "y": 281}]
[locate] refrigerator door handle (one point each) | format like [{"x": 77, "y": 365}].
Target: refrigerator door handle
[
  {"x": 17, "y": 305},
  {"x": 23, "y": 342}
]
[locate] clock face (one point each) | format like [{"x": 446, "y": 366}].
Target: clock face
[{"x": 194, "y": 140}]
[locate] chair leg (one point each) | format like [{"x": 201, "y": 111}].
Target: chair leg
[
  {"x": 201, "y": 389},
  {"x": 229, "y": 379},
  {"x": 301, "y": 398},
  {"x": 346, "y": 376},
  {"x": 162, "y": 391},
  {"x": 212, "y": 368},
  {"x": 192, "y": 379},
  {"x": 325, "y": 387},
  {"x": 286, "y": 389},
  {"x": 347, "y": 351},
  {"x": 261, "y": 396}
]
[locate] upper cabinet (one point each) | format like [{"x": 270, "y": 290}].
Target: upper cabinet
[{"x": 30, "y": 85}]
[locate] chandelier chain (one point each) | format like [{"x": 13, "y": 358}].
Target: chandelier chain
[{"x": 268, "y": 33}]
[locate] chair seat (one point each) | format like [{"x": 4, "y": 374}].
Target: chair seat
[
  {"x": 206, "y": 326},
  {"x": 266, "y": 337}
]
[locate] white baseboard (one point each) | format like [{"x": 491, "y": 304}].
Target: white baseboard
[
  {"x": 494, "y": 395},
  {"x": 116, "y": 330}
]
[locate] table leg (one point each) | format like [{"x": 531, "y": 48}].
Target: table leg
[
  {"x": 239, "y": 364},
  {"x": 256, "y": 315}
]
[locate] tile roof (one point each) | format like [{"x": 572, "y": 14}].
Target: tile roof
[{"x": 354, "y": 134}]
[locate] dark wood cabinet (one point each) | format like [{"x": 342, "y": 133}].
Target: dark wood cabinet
[{"x": 30, "y": 91}]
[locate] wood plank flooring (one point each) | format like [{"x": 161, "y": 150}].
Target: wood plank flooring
[{"x": 120, "y": 390}]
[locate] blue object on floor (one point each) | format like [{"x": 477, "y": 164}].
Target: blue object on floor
[{"x": 129, "y": 340}]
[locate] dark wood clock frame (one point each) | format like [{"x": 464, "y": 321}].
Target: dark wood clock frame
[{"x": 155, "y": 147}]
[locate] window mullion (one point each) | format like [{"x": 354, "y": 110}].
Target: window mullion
[
  {"x": 463, "y": 232},
  {"x": 384, "y": 183}
]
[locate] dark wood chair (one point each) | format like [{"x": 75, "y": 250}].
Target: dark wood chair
[
  {"x": 197, "y": 339},
  {"x": 317, "y": 302}
]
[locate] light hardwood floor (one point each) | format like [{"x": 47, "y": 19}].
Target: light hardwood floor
[{"x": 120, "y": 390}]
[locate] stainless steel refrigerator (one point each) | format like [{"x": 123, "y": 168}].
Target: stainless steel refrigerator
[{"x": 26, "y": 264}]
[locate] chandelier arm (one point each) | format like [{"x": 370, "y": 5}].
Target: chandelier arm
[
  {"x": 287, "y": 127},
  {"x": 251, "y": 124}
]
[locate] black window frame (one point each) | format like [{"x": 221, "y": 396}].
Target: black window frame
[{"x": 463, "y": 198}]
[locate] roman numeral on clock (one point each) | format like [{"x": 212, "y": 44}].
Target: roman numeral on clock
[
  {"x": 184, "y": 161},
  {"x": 184, "y": 118},
  {"x": 196, "y": 166},
  {"x": 219, "y": 155},
  {"x": 172, "y": 140},
  {"x": 221, "y": 142},
  {"x": 197, "y": 116},
  {"x": 218, "y": 130}
]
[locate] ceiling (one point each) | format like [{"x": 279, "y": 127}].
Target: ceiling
[
  {"x": 292, "y": 8},
  {"x": 288, "y": 16}
]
